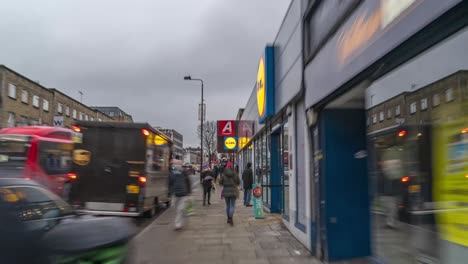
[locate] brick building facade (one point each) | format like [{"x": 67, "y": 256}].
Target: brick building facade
[
  {"x": 439, "y": 102},
  {"x": 26, "y": 102}
]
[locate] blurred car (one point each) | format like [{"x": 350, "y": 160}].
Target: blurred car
[{"x": 37, "y": 226}]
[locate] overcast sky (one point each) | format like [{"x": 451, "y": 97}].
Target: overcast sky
[{"x": 134, "y": 54}]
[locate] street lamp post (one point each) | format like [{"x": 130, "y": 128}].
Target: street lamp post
[{"x": 189, "y": 78}]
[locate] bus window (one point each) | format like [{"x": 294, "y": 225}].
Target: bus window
[
  {"x": 55, "y": 158},
  {"x": 13, "y": 154}
]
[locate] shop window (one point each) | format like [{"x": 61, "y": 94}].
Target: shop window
[
  {"x": 449, "y": 95},
  {"x": 11, "y": 119},
  {"x": 416, "y": 168},
  {"x": 389, "y": 113},
  {"x": 45, "y": 105},
  {"x": 12, "y": 90},
  {"x": 413, "y": 108},
  {"x": 36, "y": 101},
  {"x": 59, "y": 108},
  {"x": 382, "y": 116},
  {"x": 424, "y": 104},
  {"x": 436, "y": 100},
  {"x": 24, "y": 96}
]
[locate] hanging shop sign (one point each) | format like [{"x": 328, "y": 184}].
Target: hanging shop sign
[
  {"x": 258, "y": 202},
  {"x": 230, "y": 143},
  {"x": 265, "y": 86},
  {"x": 226, "y": 128}
]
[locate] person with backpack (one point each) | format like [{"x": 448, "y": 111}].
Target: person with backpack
[
  {"x": 179, "y": 187},
  {"x": 247, "y": 179},
  {"x": 230, "y": 182}
]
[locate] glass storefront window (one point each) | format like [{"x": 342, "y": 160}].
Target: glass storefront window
[
  {"x": 285, "y": 161},
  {"x": 419, "y": 158}
]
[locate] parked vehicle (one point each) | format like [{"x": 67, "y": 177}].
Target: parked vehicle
[
  {"x": 40, "y": 153},
  {"x": 121, "y": 169},
  {"x": 37, "y": 226}
]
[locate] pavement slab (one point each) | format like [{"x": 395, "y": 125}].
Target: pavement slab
[{"x": 207, "y": 238}]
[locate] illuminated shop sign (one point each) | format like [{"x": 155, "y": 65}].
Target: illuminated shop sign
[{"x": 265, "y": 86}]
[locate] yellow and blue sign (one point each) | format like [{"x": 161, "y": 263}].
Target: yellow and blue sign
[
  {"x": 265, "y": 85},
  {"x": 230, "y": 143}
]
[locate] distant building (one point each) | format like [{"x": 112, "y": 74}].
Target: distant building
[
  {"x": 115, "y": 113},
  {"x": 177, "y": 139},
  {"x": 192, "y": 155},
  {"x": 26, "y": 102}
]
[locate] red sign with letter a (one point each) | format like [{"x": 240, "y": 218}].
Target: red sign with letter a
[{"x": 226, "y": 128}]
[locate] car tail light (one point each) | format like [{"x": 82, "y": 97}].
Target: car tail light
[
  {"x": 76, "y": 129},
  {"x": 405, "y": 179},
  {"x": 72, "y": 176},
  {"x": 145, "y": 132},
  {"x": 125, "y": 209},
  {"x": 142, "y": 181},
  {"x": 402, "y": 133}
]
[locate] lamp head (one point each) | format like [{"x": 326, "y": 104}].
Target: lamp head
[{"x": 188, "y": 77}]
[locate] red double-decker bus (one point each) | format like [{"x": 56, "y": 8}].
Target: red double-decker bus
[{"x": 39, "y": 153}]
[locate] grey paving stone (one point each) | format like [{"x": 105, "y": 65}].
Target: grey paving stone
[{"x": 278, "y": 252}]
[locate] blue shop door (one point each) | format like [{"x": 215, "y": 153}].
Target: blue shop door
[{"x": 344, "y": 184}]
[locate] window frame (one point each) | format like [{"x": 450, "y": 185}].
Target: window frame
[
  {"x": 12, "y": 88},
  {"x": 45, "y": 105},
  {"x": 60, "y": 108},
  {"x": 36, "y": 101},
  {"x": 424, "y": 104},
  {"x": 434, "y": 103},
  {"x": 24, "y": 96},
  {"x": 449, "y": 95},
  {"x": 397, "y": 110},
  {"x": 413, "y": 107}
]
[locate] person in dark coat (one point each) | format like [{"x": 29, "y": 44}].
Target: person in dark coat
[
  {"x": 247, "y": 179},
  {"x": 180, "y": 188},
  {"x": 207, "y": 181},
  {"x": 230, "y": 182}
]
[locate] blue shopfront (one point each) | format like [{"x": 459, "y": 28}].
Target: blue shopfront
[
  {"x": 277, "y": 146},
  {"x": 369, "y": 71}
]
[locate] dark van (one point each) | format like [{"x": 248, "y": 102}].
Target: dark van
[{"x": 121, "y": 168}]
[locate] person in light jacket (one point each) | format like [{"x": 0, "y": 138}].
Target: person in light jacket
[
  {"x": 179, "y": 187},
  {"x": 230, "y": 182}
]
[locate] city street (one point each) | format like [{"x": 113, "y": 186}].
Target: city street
[{"x": 208, "y": 239}]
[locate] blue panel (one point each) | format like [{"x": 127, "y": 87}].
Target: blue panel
[
  {"x": 269, "y": 58},
  {"x": 344, "y": 180},
  {"x": 275, "y": 180}
]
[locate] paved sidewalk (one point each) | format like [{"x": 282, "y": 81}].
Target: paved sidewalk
[{"x": 207, "y": 238}]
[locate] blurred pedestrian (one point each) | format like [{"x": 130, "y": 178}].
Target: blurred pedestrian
[
  {"x": 247, "y": 179},
  {"x": 179, "y": 187},
  {"x": 208, "y": 181},
  {"x": 230, "y": 182}
]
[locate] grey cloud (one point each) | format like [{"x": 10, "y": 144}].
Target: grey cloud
[{"x": 134, "y": 54}]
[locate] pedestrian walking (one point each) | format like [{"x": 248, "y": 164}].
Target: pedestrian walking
[
  {"x": 247, "y": 179},
  {"x": 230, "y": 182},
  {"x": 208, "y": 181},
  {"x": 179, "y": 187}
]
